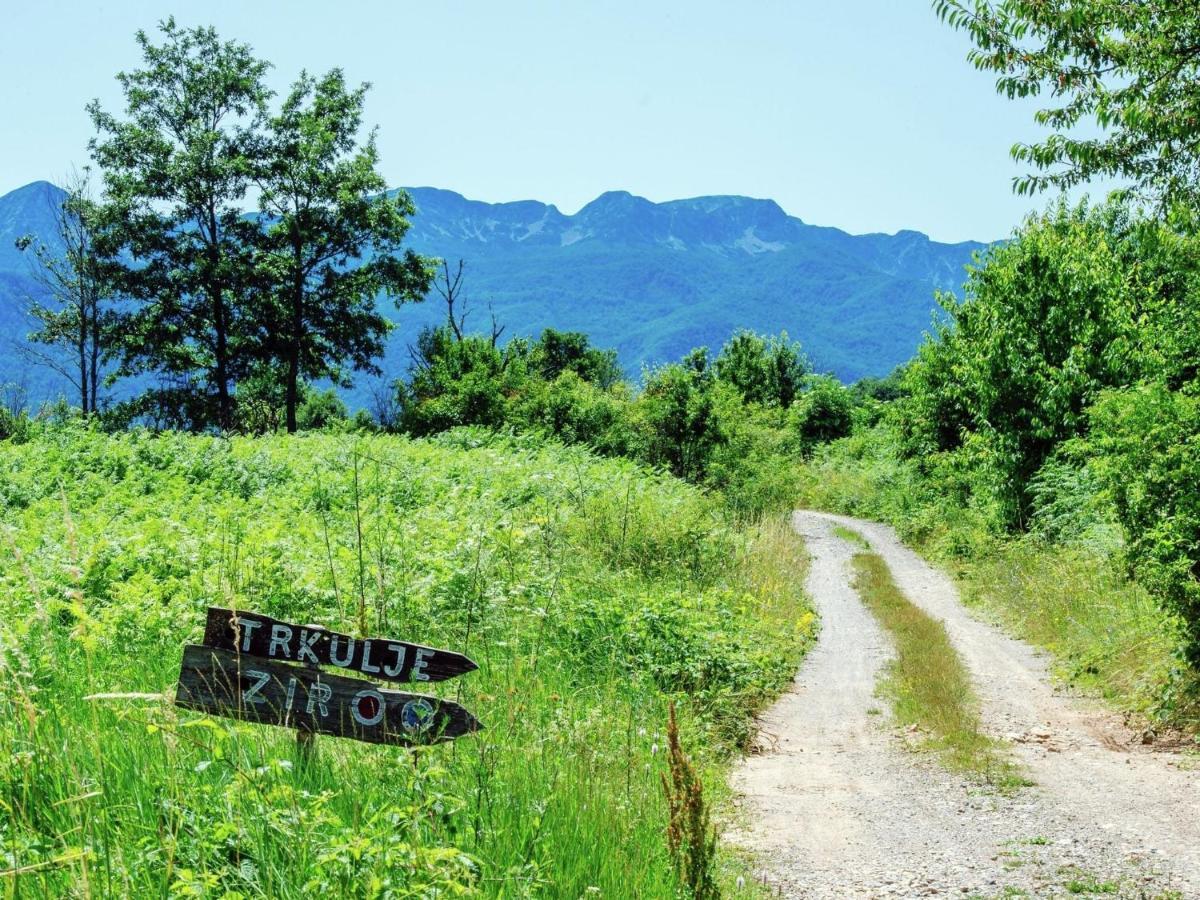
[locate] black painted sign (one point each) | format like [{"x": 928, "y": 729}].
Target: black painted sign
[
  {"x": 272, "y": 692},
  {"x": 259, "y": 635}
]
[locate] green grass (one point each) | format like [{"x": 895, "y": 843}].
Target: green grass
[
  {"x": 926, "y": 682},
  {"x": 851, "y": 537},
  {"x": 589, "y": 591},
  {"x": 1106, "y": 633}
]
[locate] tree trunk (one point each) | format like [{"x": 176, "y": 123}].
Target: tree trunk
[
  {"x": 221, "y": 346},
  {"x": 94, "y": 369},
  {"x": 224, "y": 406},
  {"x": 293, "y": 391},
  {"x": 83, "y": 371},
  {"x": 296, "y": 335}
]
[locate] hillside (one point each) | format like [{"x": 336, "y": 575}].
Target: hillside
[
  {"x": 657, "y": 279},
  {"x": 652, "y": 280}
]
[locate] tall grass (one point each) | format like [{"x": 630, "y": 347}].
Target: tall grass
[
  {"x": 1105, "y": 632},
  {"x": 590, "y": 592}
]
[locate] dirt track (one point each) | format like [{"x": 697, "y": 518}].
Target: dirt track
[{"x": 835, "y": 806}]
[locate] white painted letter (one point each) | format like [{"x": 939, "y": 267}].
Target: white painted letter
[
  {"x": 281, "y": 636},
  {"x": 319, "y": 695},
  {"x": 291, "y": 693},
  {"x": 247, "y": 626},
  {"x": 304, "y": 648},
  {"x": 419, "y": 663},
  {"x": 250, "y": 694},
  {"x": 366, "y": 663},
  {"x": 357, "y": 713},
  {"x": 395, "y": 670},
  {"x": 333, "y": 651}
]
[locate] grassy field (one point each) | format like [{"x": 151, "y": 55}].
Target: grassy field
[{"x": 589, "y": 591}]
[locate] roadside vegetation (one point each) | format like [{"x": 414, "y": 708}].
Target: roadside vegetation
[
  {"x": 1044, "y": 441},
  {"x": 590, "y": 592},
  {"x": 601, "y": 548},
  {"x": 1040, "y": 445}
]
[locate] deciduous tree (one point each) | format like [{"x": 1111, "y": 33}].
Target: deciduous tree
[
  {"x": 333, "y": 238},
  {"x": 75, "y": 315},
  {"x": 1132, "y": 69},
  {"x": 176, "y": 169}
]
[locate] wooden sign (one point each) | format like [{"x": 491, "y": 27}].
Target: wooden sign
[
  {"x": 259, "y": 635},
  {"x": 240, "y": 686}
]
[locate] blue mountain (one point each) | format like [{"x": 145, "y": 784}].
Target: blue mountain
[
  {"x": 652, "y": 280},
  {"x": 656, "y": 279}
]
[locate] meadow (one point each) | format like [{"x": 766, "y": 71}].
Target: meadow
[{"x": 591, "y": 592}]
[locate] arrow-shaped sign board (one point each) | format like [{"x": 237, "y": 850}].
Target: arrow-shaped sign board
[
  {"x": 270, "y": 692},
  {"x": 257, "y": 635}
]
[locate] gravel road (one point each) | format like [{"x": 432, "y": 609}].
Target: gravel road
[{"x": 834, "y": 805}]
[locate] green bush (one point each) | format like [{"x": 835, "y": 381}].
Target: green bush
[
  {"x": 460, "y": 382},
  {"x": 1048, "y": 322},
  {"x": 558, "y": 352},
  {"x": 677, "y": 410},
  {"x": 321, "y": 409},
  {"x": 1147, "y": 453},
  {"x": 578, "y": 412},
  {"x": 823, "y": 413},
  {"x": 765, "y": 370}
]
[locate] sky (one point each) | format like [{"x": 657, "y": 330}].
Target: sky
[{"x": 862, "y": 114}]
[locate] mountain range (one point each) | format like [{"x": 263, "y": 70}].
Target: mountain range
[{"x": 652, "y": 280}]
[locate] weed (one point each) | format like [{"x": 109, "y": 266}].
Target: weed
[
  {"x": 691, "y": 839},
  {"x": 590, "y": 592},
  {"x": 1070, "y": 597}
]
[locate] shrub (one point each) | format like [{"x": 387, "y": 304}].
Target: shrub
[
  {"x": 766, "y": 370},
  {"x": 455, "y": 382},
  {"x": 677, "y": 411},
  {"x": 824, "y": 412},
  {"x": 1147, "y": 441},
  {"x": 578, "y": 412},
  {"x": 557, "y": 352},
  {"x": 320, "y": 409},
  {"x": 1047, "y": 323}
]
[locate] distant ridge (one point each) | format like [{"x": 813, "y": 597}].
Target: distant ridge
[{"x": 651, "y": 279}]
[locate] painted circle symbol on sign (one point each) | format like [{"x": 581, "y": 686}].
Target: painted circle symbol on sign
[
  {"x": 367, "y": 707},
  {"x": 417, "y": 715}
]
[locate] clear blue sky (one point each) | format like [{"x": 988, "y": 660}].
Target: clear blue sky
[{"x": 862, "y": 114}]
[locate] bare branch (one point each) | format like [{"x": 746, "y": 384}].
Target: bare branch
[{"x": 448, "y": 288}]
